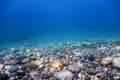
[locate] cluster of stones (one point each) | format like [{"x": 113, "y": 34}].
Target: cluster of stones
[{"x": 66, "y": 61}]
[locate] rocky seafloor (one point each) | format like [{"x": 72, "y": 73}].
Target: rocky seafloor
[{"x": 90, "y": 60}]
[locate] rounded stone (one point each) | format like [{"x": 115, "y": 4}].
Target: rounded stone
[
  {"x": 13, "y": 68},
  {"x": 64, "y": 75},
  {"x": 68, "y": 52},
  {"x": 1, "y": 66},
  {"x": 29, "y": 65},
  {"x": 20, "y": 73},
  {"x": 107, "y": 61},
  {"x": 116, "y": 62},
  {"x": 25, "y": 60},
  {"x": 56, "y": 64},
  {"x": 74, "y": 68}
]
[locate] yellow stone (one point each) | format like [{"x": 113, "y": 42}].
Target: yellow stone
[{"x": 56, "y": 64}]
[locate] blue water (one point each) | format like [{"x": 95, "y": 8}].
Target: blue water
[{"x": 59, "y": 20}]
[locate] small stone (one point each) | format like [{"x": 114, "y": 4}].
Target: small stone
[
  {"x": 64, "y": 75},
  {"x": 68, "y": 52},
  {"x": 92, "y": 72},
  {"x": 56, "y": 64},
  {"x": 83, "y": 77},
  {"x": 35, "y": 73},
  {"x": 25, "y": 60},
  {"x": 100, "y": 57},
  {"x": 45, "y": 76},
  {"x": 1, "y": 66},
  {"x": 107, "y": 61},
  {"x": 38, "y": 62},
  {"x": 64, "y": 62},
  {"x": 74, "y": 68},
  {"x": 80, "y": 65},
  {"x": 29, "y": 65},
  {"x": 13, "y": 68},
  {"x": 116, "y": 62},
  {"x": 33, "y": 57},
  {"x": 19, "y": 59},
  {"x": 20, "y": 73}
]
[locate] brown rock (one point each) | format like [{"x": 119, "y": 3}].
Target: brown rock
[
  {"x": 83, "y": 77},
  {"x": 33, "y": 58},
  {"x": 92, "y": 72},
  {"x": 65, "y": 62},
  {"x": 100, "y": 57}
]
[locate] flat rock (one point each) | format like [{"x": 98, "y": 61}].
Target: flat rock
[
  {"x": 25, "y": 60},
  {"x": 74, "y": 68},
  {"x": 20, "y": 73},
  {"x": 29, "y": 65},
  {"x": 64, "y": 75},
  {"x": 116, "y": 62},
  {"x": 13, "y": 68}
]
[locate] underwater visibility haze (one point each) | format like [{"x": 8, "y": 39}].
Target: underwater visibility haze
[
  {"x": 59, "y": 39},
  {"x": 59, "y": 20}
]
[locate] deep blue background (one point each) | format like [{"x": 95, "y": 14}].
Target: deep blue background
[{"x": 59, "y": 19}]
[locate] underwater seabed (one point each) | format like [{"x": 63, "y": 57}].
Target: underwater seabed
[{"x": 96, "y": 59}]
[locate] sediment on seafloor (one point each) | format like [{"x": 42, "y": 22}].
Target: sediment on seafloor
[{"x": 62, "y": 61}]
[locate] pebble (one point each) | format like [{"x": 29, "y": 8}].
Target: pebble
[
  {"x": 56, "y": 64},
  {"x": 68, "y": 52},
  {"x": 20, "y": 73},
  {"x": 25, "y": 60},
  {"x": 64, "y": 75},
  {"x": 107, "y": 61},
  {"x": 13, "y": 68},
  {"x": 74, "y": 68},
  {"x": 1, "y": 66}
]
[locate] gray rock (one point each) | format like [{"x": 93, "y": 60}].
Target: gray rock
[
  {"x": 19, "y": 59},
  {"x": 13, "y": 68},
  {"x": 64, "y": 75},
  {"x": 74, "y": 68},
  {"x": 116, "y": 62},
  {"x": 25, "y": 60}
]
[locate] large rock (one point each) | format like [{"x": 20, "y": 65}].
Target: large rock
[
  {"x": 64, "y": 75},
  {"x": 74, "y": 68},
  {"x": 3, "y": 76},
  {"x": 29, "y": 65},
  {"x": 116, "y": 62},
  {"x": 19, "y": 59},
  {"x": 107, "y": 61}
]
